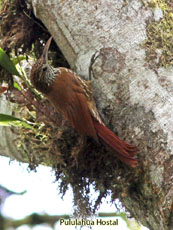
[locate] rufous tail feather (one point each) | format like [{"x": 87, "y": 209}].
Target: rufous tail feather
[{"x": 125, "y": 152}]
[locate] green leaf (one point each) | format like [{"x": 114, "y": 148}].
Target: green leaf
[
  {"x": 18, "y": 59},
  {"x": 7, "y": 64},
  {"x": 8, "y": 120},
  {"x": 16, "y": 85}
]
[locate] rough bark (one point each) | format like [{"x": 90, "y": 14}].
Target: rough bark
[{"x": 132, "y": 96}]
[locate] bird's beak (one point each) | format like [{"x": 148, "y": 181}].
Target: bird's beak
[{"x": 45, "y": 51}]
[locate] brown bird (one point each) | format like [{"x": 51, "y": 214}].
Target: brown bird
[{"x": 73, "y": 98}]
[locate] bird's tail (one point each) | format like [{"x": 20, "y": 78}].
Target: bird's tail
[{"x": 125, "y": 152}]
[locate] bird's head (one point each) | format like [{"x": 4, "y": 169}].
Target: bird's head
[{"x": 41, "y": 72}]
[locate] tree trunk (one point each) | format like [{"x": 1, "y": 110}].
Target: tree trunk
[{"x": 133, "y": 93}]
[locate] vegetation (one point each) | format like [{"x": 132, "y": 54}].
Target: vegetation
[{"x": 159, "y": 43}]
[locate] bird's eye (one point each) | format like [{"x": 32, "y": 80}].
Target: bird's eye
[{"x": 44, "y": 68}]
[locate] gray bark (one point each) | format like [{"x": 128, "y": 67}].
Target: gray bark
[{"x": 135, "y": 98}]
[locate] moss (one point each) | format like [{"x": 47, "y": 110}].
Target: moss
[
  {"x": 23, "y": 33},
  {"x": 159, "y": 45},
  {"x": 52, "y": 144}
]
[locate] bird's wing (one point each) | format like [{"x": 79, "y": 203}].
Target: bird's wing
[
  {"x": 78, "y": 110},
  {"x": 70, "y": 98}
]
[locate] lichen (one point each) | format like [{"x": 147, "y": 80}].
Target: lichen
[
  {"x": 159, "y": 45},
  {"x": 157, "y": 175}
]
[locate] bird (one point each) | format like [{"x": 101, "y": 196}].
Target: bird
[{"x": 72, "y": 96}]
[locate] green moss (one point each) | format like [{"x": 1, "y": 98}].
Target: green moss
[
  {"x": 35, "y": 144},
  {"x": 160, "y": 35}
]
